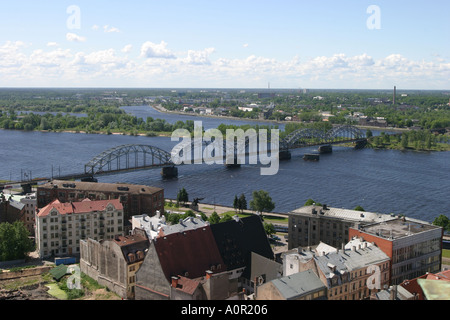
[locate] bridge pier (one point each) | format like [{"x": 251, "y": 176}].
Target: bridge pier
[
  {"x": 169, "y": 172},
  {"x": 325, "y": 149},
  {"x": 284, "y": 155}
]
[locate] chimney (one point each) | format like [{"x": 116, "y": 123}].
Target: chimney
[
  {"x": 353, "y": 248},
  {"x": 208, "y": 274},
  {"x": 174, "y": 281}
]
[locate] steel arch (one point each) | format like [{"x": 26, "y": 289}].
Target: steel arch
[
  {"x": 345, "y": 131},
  {"x": 106, "y": 158},
  {"x": 304, "y": 137},
  {"x": 311, "y": 136}
]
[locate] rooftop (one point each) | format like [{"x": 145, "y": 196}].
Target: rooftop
[
  {"x": 189, "y": 223},
  {"x": 342, "y": 214},
  {"x": 85, "y": 206},
  {"x": 298, "y": 284},
  {"x": 101, "y": 187},
  {"x": 398, "y": 228}
]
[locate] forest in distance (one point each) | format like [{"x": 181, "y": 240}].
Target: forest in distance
[{"x": 99, "y": 110}]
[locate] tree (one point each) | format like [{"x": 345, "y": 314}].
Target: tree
[
  {"x": 442, "y": 221},
  {"x": 262, "y": 202},
  {"x": 226, "y": 217},
  {"x": 269, "y": 228},
  {"x": 359, "y": 208},
  {"x": 14, "y": 241},
  {"x": 236, "y": 203},
  {"x": 182, "y": 196},
  {"x": 311, "y": 202},
  {"x": 242, "y": 203},
  {"x": 214, "y": 218}
]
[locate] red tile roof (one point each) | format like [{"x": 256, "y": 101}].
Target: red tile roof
[{"x": 85, "y": 206}]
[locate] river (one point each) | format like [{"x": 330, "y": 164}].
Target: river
[{"x": 413, "y": 183}]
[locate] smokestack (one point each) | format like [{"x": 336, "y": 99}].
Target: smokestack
[
  {"x": 395, "y": 94},
  {"x": 208, "y": 274}
]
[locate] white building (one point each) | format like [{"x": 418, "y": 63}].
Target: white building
[
  {"x": 151, "y": 225},
  {"x": 60, "y": 226}
]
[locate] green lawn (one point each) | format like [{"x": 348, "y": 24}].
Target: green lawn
[{"x": 446, "y": 253}]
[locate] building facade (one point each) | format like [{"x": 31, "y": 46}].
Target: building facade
[
  {"x": 309, "y": 225},
  {"x": 61, "y": 226},
  {"x": 114, "y": 263},
  {"x": 348, "y": 274},
  {"x": 413, "y": 246},
  {"x": 136, "y": 199}
]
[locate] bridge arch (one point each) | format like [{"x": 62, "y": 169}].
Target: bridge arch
[
  {"x": 304, "y": 137},
  {"x": 126, "y": 157},
  {"x": 346, "y": 132}
]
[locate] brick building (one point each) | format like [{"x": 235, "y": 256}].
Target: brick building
[{"x": 136, "y": 199}]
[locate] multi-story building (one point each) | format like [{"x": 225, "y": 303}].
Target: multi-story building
[
  {"x": 29, "y": 220},
  {"x": 61, "y": 226},
  {"x": 136, "y": 199},
  {"x": 349, "y": 273},
  {"x": 413, "y": 246},
  {"x": 213, "y": 262},
  {"x": 114, "y": 263},
  {"x": 309, "y": 225},
  {"x": 304, "y": 285}
]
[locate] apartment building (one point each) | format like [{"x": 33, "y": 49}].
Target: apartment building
[
  {"x": 61, "y": 226},
  {"x": 414, "y": 247},
  {"x": 136, "y": 199},
  {"x": 351, "y": 273},
  {"x": 309, "y": 225},
  {"x": 18, "y": 208}
]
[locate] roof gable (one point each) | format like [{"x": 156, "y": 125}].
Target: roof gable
[{"x": 190, "y": 253}]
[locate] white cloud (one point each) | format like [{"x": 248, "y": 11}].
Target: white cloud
[
  {"x": 56, "y": 66},
  {"x": 199, "y": 57},
  {"x": 152, "y": 50},
  {"x": 109, "y": 29},
  {"x": 52, "y": 44},
  {"x": 74, "y": 37},
  {"x": 95, "y": 27},
  {"x": 245, "y": 45},
  {"x": 127, "y": 48}
]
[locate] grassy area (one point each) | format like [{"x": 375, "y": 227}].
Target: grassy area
[
  {"x": 16, "y": 284},
  {"x": 446, "y": 253},
  {"x": 90, "y": 289},
  {"x": 56, "y": 292},
  {"x": 266, "y": 217}
]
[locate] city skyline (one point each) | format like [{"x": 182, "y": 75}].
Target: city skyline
[{"x": 232, "y": 44}]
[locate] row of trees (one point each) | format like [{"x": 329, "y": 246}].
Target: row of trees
[
  {"x": 115, "y": 120},
  {"x": 416, "y": 139}
]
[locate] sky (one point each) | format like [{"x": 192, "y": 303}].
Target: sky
[{"x": 324, "y": 44}]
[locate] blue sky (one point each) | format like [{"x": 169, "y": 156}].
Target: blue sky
[{"x": 230, "y": 44}]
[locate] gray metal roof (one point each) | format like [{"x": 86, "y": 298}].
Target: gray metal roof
[{"x": 298, "y": 284}]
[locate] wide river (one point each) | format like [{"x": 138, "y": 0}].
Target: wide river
[{"x": 416, "y": 184}]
